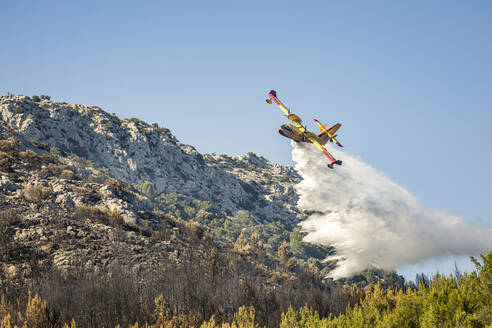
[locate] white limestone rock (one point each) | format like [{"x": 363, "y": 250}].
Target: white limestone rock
[{"x": 135, "y": 151}]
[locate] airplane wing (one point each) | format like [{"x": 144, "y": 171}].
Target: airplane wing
[
  {"x": 273, "y": 96},
  {"x": 327, "y": 154},
  {"x": 334, "y": 128},
  {"x": 292, "y": 117}
]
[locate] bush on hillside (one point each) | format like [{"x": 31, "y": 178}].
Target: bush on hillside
[{"x": 37, "y": 194}]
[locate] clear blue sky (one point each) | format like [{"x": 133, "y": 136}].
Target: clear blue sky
[{"x": 409, "y": 80}]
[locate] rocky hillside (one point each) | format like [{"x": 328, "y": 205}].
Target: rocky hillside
[
  {"x": 90, "y": 203},
  {"x": 81, "y": 188},
  {"x": 87, "y": 243},
  {"x": 138, "y": 153}
]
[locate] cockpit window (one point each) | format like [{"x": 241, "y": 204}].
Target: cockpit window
[{"x": 287, "y": 128}]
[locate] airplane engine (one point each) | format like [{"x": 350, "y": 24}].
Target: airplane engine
[{"x": 294, "y": 118}]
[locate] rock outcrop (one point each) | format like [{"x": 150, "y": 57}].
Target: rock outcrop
[{"x": 136, "y": 152}]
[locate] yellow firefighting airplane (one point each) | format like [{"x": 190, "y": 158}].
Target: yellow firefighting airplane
[{"x": 299, "y": 133}]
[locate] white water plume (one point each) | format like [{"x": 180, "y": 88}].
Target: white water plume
[{"x": 373, "y": 222}]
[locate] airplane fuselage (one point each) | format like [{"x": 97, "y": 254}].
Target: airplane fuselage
[{"x": 294, "y": 133}]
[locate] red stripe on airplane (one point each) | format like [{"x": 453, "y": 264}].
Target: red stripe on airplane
[
  {"x": 274, "y": 99},
  {"x": 329, "y": 157}
]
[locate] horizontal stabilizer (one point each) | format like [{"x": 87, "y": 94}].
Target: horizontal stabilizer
[
  {"x": 334, "y": 129},
  {"x": 268, "y": 101}
]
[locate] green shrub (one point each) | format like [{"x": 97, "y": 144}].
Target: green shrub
[
  {"x": 40, "y": 145},
  {"x": 55, "y": 150},
  {"x": 100, "y": 176},
  {"x": 284, "y": 179},
  {"x": 36, "y": 98},
  {"x": 19, "y": 109},
  {"x": 147, "y": 188}
]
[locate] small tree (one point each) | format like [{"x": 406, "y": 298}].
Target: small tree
[
  {"x": 162, "y": 312},
  {"x": 37, "y": 314},
  {"x": 296, "y": 244},
  {"x": 485, "y": 289},
  {"x": 285, "y": 257},
  {"x": 242, "y": 246},
  {"x": 245, "y": 318},
  {"x": 36, "y": 98},
  {"x": 258, "y": 248}
]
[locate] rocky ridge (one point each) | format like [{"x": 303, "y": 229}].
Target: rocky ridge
[{"x": 136, "y": 152}]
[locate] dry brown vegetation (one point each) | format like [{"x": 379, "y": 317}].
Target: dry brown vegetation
[
  {"x": 118, "y": 186},
  {"x": 67, "y": 174},
  {"x": 37, "y": 193},
  {"x": 198, "y": 287},
  {"x": 197, "y": 280},
  {"x": 7, "y": 155},
  {"x": 89, "y": 194},
  {"x": 6, "y": 146},
  {"x": 7, "y": 218},
  {"x": 55, "y": 170}
]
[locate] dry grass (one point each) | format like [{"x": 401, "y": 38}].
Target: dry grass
[
  {"x": 37, "y": 194},
  {"x": 108, "y": 217},
  {"x": 6, "y": 145},
  {"x": 67, "y": 174},
  {"x": 89, "y": 195},
  {"x": 118, "y": 186}
]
